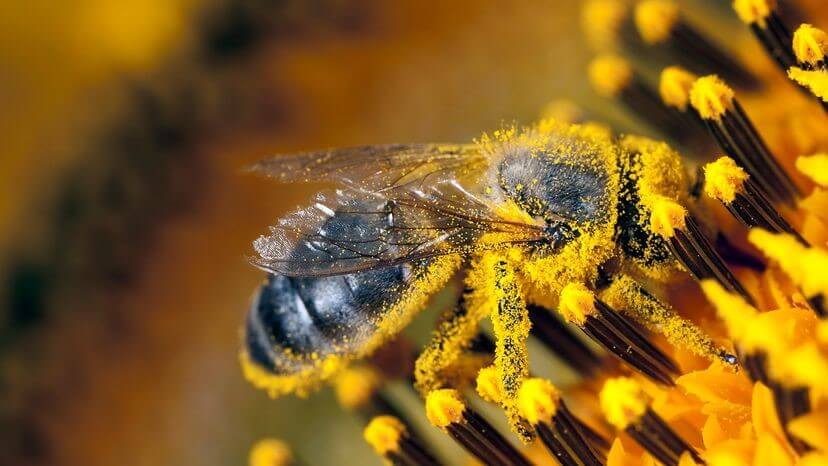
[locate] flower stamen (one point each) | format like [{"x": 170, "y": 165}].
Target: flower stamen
[{"x": 390, "y": 439}]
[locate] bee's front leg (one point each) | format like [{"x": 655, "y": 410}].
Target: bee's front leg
[
  {"x": 497, "y": 292},
  {"x": 629, "y": 297}
]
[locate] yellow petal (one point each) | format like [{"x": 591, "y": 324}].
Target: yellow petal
[
  {"x": 771, "y": 452},
  {"x": 731, "y": 453},
  {"x": 717, "y": 384},
  {"x": 763, "y": 415},
  {"x": 812, "y": 428}
]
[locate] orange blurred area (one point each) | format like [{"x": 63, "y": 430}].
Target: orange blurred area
[{"x": 125, "y": 219}]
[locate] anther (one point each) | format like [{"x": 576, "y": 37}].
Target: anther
[
  {"x": 607, "y": 23},
  {"x": 727, "y": 122},
  {"x": 446, "y": 410},
  {"x": 804, "y": 265},
  {"x": 660, "y": 24},
  {"x": 613, "y": 77},
  {"x": 613, "y": 332},
  {"x": 768, "y": 27},
  {"x": 810, "y": 46},
  {"x": 270, "y": 452},
  {"x": 689, "y": 245},
  {"x": 539, "y": 402},
  {"x": 390, "y": 439},
  {"x": 562, "y": 341},
  {"x": 731, "y": 185},
  {"x": 626, "y": 406}
]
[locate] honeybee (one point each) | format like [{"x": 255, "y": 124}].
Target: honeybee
[{"x": 563, "y": 216}]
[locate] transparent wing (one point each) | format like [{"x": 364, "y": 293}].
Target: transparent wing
[
  {"x": 353, "y": 230},
  {"x": 376, "y": 168}
]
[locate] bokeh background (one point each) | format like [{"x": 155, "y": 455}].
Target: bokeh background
[{"x": 125, "y": 218}]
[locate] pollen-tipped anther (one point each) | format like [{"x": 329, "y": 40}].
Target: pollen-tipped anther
[
  {"x": 728, "y": 123},
  {"x": 446, "y": 410},
  {"x": 613, "y": 332},
  {"x": 689, "y": 245},
  {"x": 731, "y": 185},
  {"x": 627, "y": 407},
  {"x": 270, "y": 452},
  {"x": 539, "y": 402},
  {"x": 391, "y": 440}
]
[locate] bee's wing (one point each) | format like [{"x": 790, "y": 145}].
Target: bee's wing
[
  {"x": 352, "y": 230},
  {"x": 375, "y": 168}
]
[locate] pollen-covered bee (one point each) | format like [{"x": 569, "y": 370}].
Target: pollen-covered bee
[{"x": 562, "y": 216}]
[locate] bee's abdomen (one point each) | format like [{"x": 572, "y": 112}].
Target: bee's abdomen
[{"x": 294, "y": 322}]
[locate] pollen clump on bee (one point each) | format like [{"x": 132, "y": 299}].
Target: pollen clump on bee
[
  {"x": 711, "y": 97},
  {"x": 655, "y": 19},
  {"x": 674, "y": 86},
  {"x": 723, "y": 179}
]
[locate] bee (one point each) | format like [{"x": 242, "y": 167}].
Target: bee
[{"x": 562, "y": 216}]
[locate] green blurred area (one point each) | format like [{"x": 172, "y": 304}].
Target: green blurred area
[{"x": 125, "y": 220}]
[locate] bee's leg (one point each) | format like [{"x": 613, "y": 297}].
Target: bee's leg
[
  {"x": 452, "y": 338},
  {"x": 631, "y": 298},
  {"x": 497, "y": 292}
]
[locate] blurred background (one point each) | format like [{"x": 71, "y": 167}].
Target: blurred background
[{"x": 125, "y": 218}]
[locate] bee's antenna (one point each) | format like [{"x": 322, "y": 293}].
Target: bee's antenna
[
  {"x": 726, "y": 120},
  {"x": 539, "y": 402},
  {"x": 689, "y": 245},
  {"x": 447, "y": 410},
  {"x": 627, "y": 407},
  {"x": 580, "y": 306},
  {"x": 391, "y": 439}
]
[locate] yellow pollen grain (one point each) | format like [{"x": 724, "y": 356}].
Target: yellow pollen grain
[
  {"x": 354, "y": 387},
  {"x": 623, "y": 401},
  {"x": 732, "y": 308},
  {"x": 444, "y": 407},
  {"x": 674, "y": 86},
  {"x": 810, "y": 44},
  {"x": 270, "y": 452},
  {"x": 723, "y": 179},
  {"x": 655, "y": 19},
  {"x": 488, "y": 385},
  {"x": 666, "y": 216},
  {"x": 602, "y": 20},
  {"x": 609, "y": 75},
  {"x": 754, "y": 11},
  {"x": 576, "y": 303},
  {"x": 538, "y": 401},
  {"x": 711, "y": 97},
  {"x": 815, "y": 167},
  {"x": 816, "y": 81},
  {"x": 383, "y": 433}
]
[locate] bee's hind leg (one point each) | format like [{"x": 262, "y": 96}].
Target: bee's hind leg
[{"x": 629, "y": 297}]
